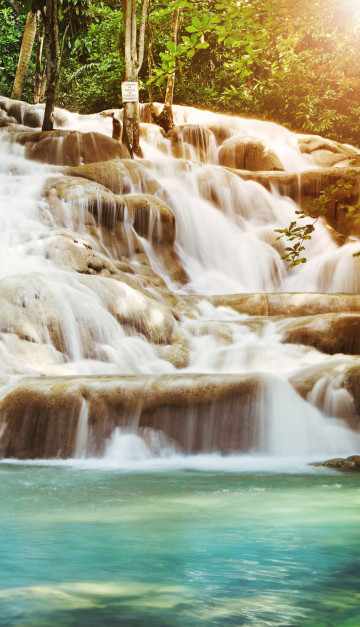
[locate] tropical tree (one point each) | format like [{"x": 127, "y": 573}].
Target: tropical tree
[
  {"x": 166, "y": 118},
  {"x": 50, "y": 14},
  {"x": 40, "y": 70},
  {"x": 25, "y": 54},
  {"x": 134, "y": 56}
]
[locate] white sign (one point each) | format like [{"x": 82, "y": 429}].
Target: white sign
[{"x": 130, "y": 91}]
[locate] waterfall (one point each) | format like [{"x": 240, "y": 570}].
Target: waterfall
[
  {"x": 82, "y": 432},
  {"x": 107, "y": 284}
]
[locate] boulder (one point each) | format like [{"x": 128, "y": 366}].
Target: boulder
[
  {"x": 5, "y": 119},
  {"x": 67, "y": 250},
  {"x": 22, "y": 112},
  {"x": 248, "y": 153},
  {"x": 325, "y": 152},
  {"x": 351, "y": 463}
]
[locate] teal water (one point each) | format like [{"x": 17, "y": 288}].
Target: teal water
[{"x": 176, "y": 546}]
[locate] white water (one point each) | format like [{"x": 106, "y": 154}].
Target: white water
[{"x": 225, "y": 239}]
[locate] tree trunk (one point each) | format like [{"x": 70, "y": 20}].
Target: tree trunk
[
  {"x": 53, "y": 59},
  {"x": 25, "y": 54},
  {"x": 165, "y": 119},
  {"x": 134, "y": 54},
  {"x": 39, "y": 49},
  {"x": 43, "y": 82},
  {"x": 167, "y": 112}
]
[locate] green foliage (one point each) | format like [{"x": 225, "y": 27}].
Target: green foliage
[
  {"x": 297, "y": 234},
  {"x": 334, "y": 198},
  {"x": 93, "y": 64},
  {"x": 11, "y": 32},
  {"x": 296, "y": 63}
]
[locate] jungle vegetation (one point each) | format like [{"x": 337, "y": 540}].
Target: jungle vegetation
[{"x": 295, "y": 62}]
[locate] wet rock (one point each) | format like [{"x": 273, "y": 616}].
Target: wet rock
[
  {"x": 23, "y": 113},
  {"x": 306, "y": 186},
  {"x": 134, "y": 310},
  {"x": 62, "y": 147},
  {"x": 200, "y": 138},
  {"x": 6, "y": 120},
  {"x": 69, "y": 251},
  {"x": 328, "y": 333},
  {"x": 120, "y": 177},
  {"x": 45, "y": 312},
  {"x": 155, "y": 135},
  {"x": 325, "y": 152},
  {"x": 248, "y": 153},
  {"x": 28, "y": 310},
  {"x": 332, "y": 386},
  {"x": 288, "y": 304},
  {"x": 39, "y": 418},
  {"x": 115, "y": 221},
  {"x": 178, "y": 352},
  {"x": 251, "y": 304},
  {"x": 352, "y": 385},
  {"x": 351, "y": 463}
]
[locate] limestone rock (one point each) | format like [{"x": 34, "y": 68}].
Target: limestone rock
[
  {"x": 5, "y": 119},
  {"x": 120, "y": 177},
  {"x": 248, "y": 153},
  {"x": 114, "y": 222},
  {"x": 136, "y": 311},
  {"x": 325, "y": 152},
  {"x": 307, "y": 186},
  {"x": 62, "y": 147},
  {"x": 328, "y": 333},
  {"x": 200, "y": 138},
  {"x": 178, "y": 352},
  {"x": 333, "y": 387},
  {"x": 288, "y": 304},
  {"x": 198, "y": 412},
  {"x": 69, "y": 251},
  {"x": 23, "y": 113}
]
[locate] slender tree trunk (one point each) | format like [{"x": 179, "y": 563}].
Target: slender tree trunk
[
  {"x": 165, "y": 119},
  {"x": 151, "y": 63},
  {"x": 43, "y": 82},
  {"x": 39, "y": 50},
  {"x": 53, "y": 58},
  {"x": 167, "y": 112},
  {"x": 25, "y": 54},
  {"x": 134, "y": 54}
]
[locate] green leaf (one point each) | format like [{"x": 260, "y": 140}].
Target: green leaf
[
  {"x": 196, "y": 23},
  {"x": 171, "y": 46}
]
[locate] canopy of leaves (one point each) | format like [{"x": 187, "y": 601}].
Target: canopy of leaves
[{"x": 291, "y": 61}]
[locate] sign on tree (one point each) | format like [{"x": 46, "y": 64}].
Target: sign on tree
[{"x": 130, "y": 91}]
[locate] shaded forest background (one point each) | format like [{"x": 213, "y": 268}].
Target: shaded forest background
[{"x": 296, "y": 63}]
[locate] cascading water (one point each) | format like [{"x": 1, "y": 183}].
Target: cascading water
[{"x": 89, "y": 290}]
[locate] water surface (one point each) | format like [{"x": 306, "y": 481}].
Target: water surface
[{"x": 179, "y": 546}]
